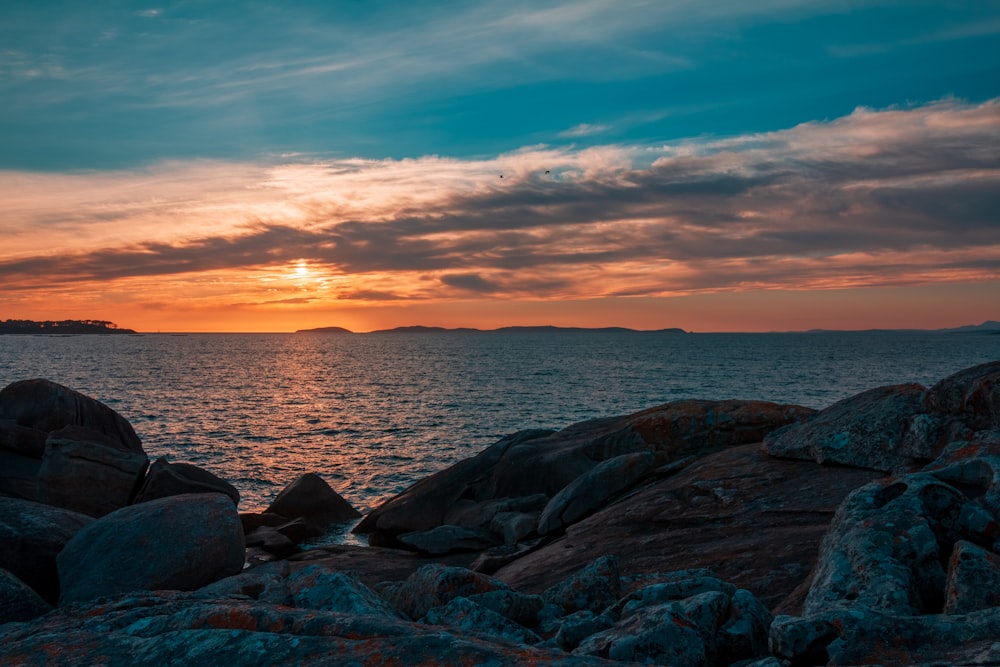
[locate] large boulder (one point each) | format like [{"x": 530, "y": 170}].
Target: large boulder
[
  {"x": 174, "y": 479},
  {"x": 528, "y": 463},
  {"x": 178, "y": 543},
  {"x": 877, "y": 429},
  {"x": 755, "y": 520},
  {"x": 31, "y": 536},
  {"x": 311, "y": 498},
  {"x": 47, "y": 406},
  {"x": 81, "y": 471}
]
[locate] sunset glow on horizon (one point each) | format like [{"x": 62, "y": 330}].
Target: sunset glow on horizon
[{"x": 287, "y": 184}]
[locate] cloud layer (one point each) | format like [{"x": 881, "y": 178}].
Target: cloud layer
[{"x": 907, "y": 196}]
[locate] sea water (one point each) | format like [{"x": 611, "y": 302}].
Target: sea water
[{"x": 372, "y": 413}]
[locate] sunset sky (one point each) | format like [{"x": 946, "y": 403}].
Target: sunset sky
[{"x": 716, "y": 166}]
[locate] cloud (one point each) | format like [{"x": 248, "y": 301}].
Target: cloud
[
  {"x": 899, "y": 196},
  {"x": 584, "y": 130}
]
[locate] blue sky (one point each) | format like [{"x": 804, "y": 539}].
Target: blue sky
[
  {"x": 117, "y": 84},
  {"x": 724, "y": 165}
]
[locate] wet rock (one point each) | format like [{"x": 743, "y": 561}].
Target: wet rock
[
  {"x": 869, "y": 430},
  {"x": 448, "y": 539},
  {"x": 593, "y": 489},
  {"x": 973, "y": 579},
  {"x": 18, "y": 601},
  {"x": 87, "y": 475},
  {"x": 32, "y": 535},
  {"x": 465, "y": 615},
  {"x": 175, "y": 479},
  {"x": 594, "y": 588},
  {"x": 178, "y": 543},
  {"x": 311, "y": 498},
  {"x": 318, "y": 587},
  {"x": 47, "y": 406},
  {"x": 436, "y": 585}
]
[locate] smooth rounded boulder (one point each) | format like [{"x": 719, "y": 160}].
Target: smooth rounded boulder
[
  {"x": 175, "y": 543},
  {"x": 48, "y": 406}
]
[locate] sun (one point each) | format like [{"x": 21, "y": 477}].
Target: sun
[{"x": 301, "y": 269}]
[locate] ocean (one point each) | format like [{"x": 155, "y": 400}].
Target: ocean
[{"x": 372, "y": 413}]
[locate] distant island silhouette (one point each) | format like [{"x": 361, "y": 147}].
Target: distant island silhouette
[
  {"x": 61, "y": 327},
  {"x": 989, "y": 326},
  {"x": 511, "y": 329}
]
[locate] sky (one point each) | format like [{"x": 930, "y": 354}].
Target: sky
[{"x": 715, "y": 166}]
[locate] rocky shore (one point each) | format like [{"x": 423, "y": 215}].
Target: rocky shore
[{"x": 702, "y": 533}]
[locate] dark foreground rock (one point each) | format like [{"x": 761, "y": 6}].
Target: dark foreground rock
[{"x": 177, "y": 543}]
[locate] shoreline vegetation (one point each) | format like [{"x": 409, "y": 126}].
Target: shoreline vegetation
[{"x": 61, "y": 327}]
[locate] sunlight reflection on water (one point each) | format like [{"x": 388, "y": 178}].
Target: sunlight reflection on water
[{"x": 373, "y": 413}]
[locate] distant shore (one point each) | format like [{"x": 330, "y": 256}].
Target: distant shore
[{"x": 61, "y": 327}]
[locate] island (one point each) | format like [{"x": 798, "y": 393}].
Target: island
[{"x": 61, "y": 327}]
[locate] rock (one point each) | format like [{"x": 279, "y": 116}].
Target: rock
[
  {"x": 166, "y": 628},
  {"x": 424, "y": 505},
  {"x": 878, "y": 638},
  {"x": 744, "y": 635},
  {"x": 462, "y": 614},
  {"x": 271, "y": 541},
  {"x": 266, "y": 583},
  {"x": 869, "y": 430},
  {"x": 22, "y": 440},
  {"x": 87, "y": 476},
  {"x": 31, "y": 535},
  {"x": 756, "y": 521},
  {"x": 174, "y": 479},
  {"x": 675, "y": 633},
  {"x": 318, "y": 587},
  {"x": 311, "y": 498},
  {"x": 882, "y": 552},
  {"x": 578, "y": 626},
  {"x": 178, "y": 543},
  {"x": 447, "y": 539},
  {"x": 18, "y": 601},
  {"x": 521, "y": 608},
  {"x": 678, "y": 587},
  {"x": 437, "y": 585},
  {"x": 47, "y": 406},
  {"x": 482, "y": 514},
  {"x": 973, "y": 581},
  {"x": 18, "y": 475},
  {"x": 592, "y": 490},
  {"x": 971, "y": 395},
  {"x": 514, "y": 527},
  {"x": 594, "y": 588},
  {"x": 543, "y": 462},
  {"x": 494, "y": 558}
]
